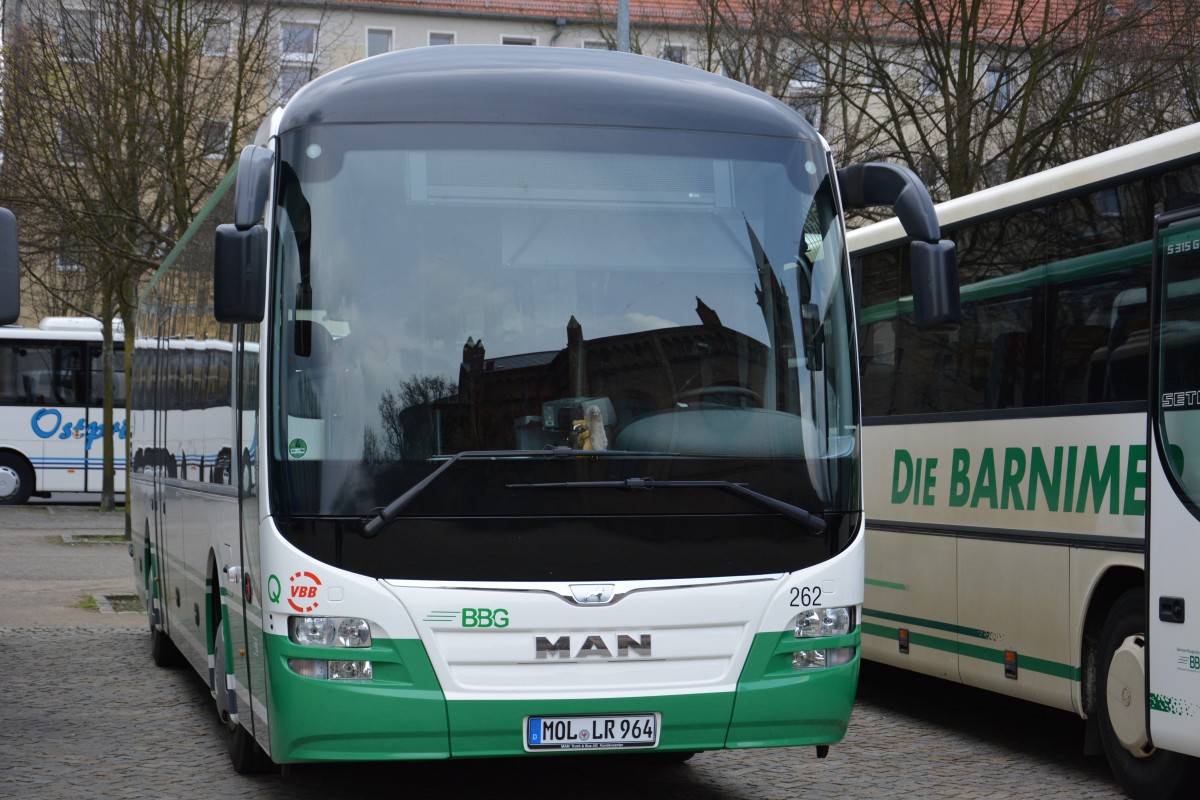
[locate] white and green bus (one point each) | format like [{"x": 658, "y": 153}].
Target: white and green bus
[
  {"x": 526, "y": 421},
  {"x": 1009, "y": 475}
]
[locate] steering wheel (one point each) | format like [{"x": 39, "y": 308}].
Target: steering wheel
[{"x": 732, "y": 396}]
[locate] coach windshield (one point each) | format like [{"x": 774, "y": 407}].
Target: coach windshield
[{"x": 672, "y": 303}]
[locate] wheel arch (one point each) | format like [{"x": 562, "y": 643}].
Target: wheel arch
[
  {"x": 24, "y": 460},
  {"x": 1114, "y": 582}
]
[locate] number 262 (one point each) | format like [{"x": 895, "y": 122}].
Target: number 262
[{"x": 805, "y": 596}]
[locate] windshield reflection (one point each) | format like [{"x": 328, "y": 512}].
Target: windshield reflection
[{"x": 634, "y": 291}]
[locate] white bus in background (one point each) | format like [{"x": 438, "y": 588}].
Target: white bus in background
[
  {"x": 188, "y": 379},
  {"x": 52, "y": 407},
  {"x": 1010, "y": 480}
]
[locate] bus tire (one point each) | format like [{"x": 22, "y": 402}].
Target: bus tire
[
  {"x": 16, "y": 480},
  {"x": 245, "y": 755},
  {"x": 163, "y": 651},
  {"x": 1145, "y": 774}
]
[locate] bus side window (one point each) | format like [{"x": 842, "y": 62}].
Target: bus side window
[{"x": 68, "y": 377}]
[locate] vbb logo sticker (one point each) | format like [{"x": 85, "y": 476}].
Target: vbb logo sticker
[{"x": 304, "y": 587}]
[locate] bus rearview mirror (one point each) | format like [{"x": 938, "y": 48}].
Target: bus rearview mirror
[
  {"x": 239, "y": 274},
  {"x": 10, "y": 278},
  {"x": 253, "y": 183},
  {"x": 936, "y": 304}
]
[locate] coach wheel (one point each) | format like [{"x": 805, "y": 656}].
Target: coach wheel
[
  {"x": 16, "y": 480},
  {"x": 244, "y": 753},
  {"x": 1143, "y": 771},
  {"x": 163, "y": 651}
]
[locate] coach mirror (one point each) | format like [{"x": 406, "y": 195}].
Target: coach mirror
[
  {"x": 240, "y": 262},
  {"x": 934, "y": 267},
  {"x": 10, "y": 279}
]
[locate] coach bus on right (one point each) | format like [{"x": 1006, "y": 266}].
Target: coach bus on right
[{"x": 1034, "y": 476}]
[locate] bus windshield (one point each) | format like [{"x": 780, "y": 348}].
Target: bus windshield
[{"x": 658, "y": 297}]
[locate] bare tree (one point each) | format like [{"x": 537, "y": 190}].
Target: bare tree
[
  {"x": 969, "y": 93},
  {"x": 972, "y": 93},
  {"x": 120, "y": 118}
]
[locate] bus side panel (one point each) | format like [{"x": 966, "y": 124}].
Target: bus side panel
[
  {"x": 1174, "y": 664},
  {"x": 1019, "y": 603},
  {"x": 911, "y": 586}
]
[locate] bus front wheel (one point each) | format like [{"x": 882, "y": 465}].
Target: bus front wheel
[
  {"x": 244, "y": 753},
  {"x": 1120, "y": 705},
  {"x": 16, "y": 480}
]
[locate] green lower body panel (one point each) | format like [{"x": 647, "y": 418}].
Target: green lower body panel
[
  {"x": 402, "y": 713},
  {"x": 399, "y": 714},
  {"x": 780, "y": 706}
]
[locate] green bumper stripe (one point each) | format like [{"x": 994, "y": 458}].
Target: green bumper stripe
[{"x": 967, "y": 650}]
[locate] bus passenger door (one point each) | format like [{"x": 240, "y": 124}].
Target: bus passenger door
[
  {"x": 1173, "y": 518},
  {"x": 244, "y": 459}
]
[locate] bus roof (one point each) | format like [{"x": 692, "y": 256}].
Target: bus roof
[
  {"x": 77, "y": 329},
  {"x": 538, "y": 85},
  {"x": 1111, "y": 166}
]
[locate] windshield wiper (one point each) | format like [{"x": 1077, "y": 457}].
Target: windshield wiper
[
  {"x": 785, "y": 509},
  {"x": 379, "y": 519}
]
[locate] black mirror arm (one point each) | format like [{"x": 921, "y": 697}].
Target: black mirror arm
[{"x": 882, "y": 184}]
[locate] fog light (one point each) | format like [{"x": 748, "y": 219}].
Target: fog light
[
  {"x": 330, "y": 631},
  {"x": 331, "y": 670},
  {"x": 309, "y": 668},
  {"x": 349, "y": 670},
  {"x": 838, "y": 656},
  {"x": 808, "y": 659},
  {"x": 820, "y": 659}
]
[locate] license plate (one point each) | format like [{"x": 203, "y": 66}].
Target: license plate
[{"x": 591, "y": 733}]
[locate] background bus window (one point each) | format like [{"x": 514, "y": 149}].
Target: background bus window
[
  {"x": 96, "y": 377},
  {"x": 41, "y": 375}
]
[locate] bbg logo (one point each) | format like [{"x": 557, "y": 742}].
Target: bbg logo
[{"x": 485, "y": 618}]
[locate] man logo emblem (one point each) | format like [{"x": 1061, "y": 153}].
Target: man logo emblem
[{"x": 592, "y": 594}]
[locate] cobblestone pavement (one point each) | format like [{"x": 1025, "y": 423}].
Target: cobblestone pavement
[{"x": 85, "y": 714}]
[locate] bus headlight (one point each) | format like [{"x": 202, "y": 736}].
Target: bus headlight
[
  {"x": 330, "y": 631},
  {"x": 331, "y": 670},
  {"x": 818, "y": 622}
]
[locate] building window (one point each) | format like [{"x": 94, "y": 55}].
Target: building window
[
  {"x": 441, "y": 37},
  {"x": 297, "y": 41},
  {"x": 291, "y": 78},
  {"x": 597, "y": 44},
  {"x": 524, "y": 40},
  {"x": 998, "y": 83},
  {"x": 67, "y": 255},
  {"x": 71, "y": 139},
  {"x": 217, "y": 39},
  {"x": 806, "y": 73},
  {"x": 77, "y": 34},
  {"x": 675, "y": 52},
  {"x": 379, "y": 41},
  {"x": 214, "y": 137},
  {"x": 931, "y": 80}
]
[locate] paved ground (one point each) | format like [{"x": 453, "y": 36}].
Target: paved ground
[{"x": 84, "y": 714}]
